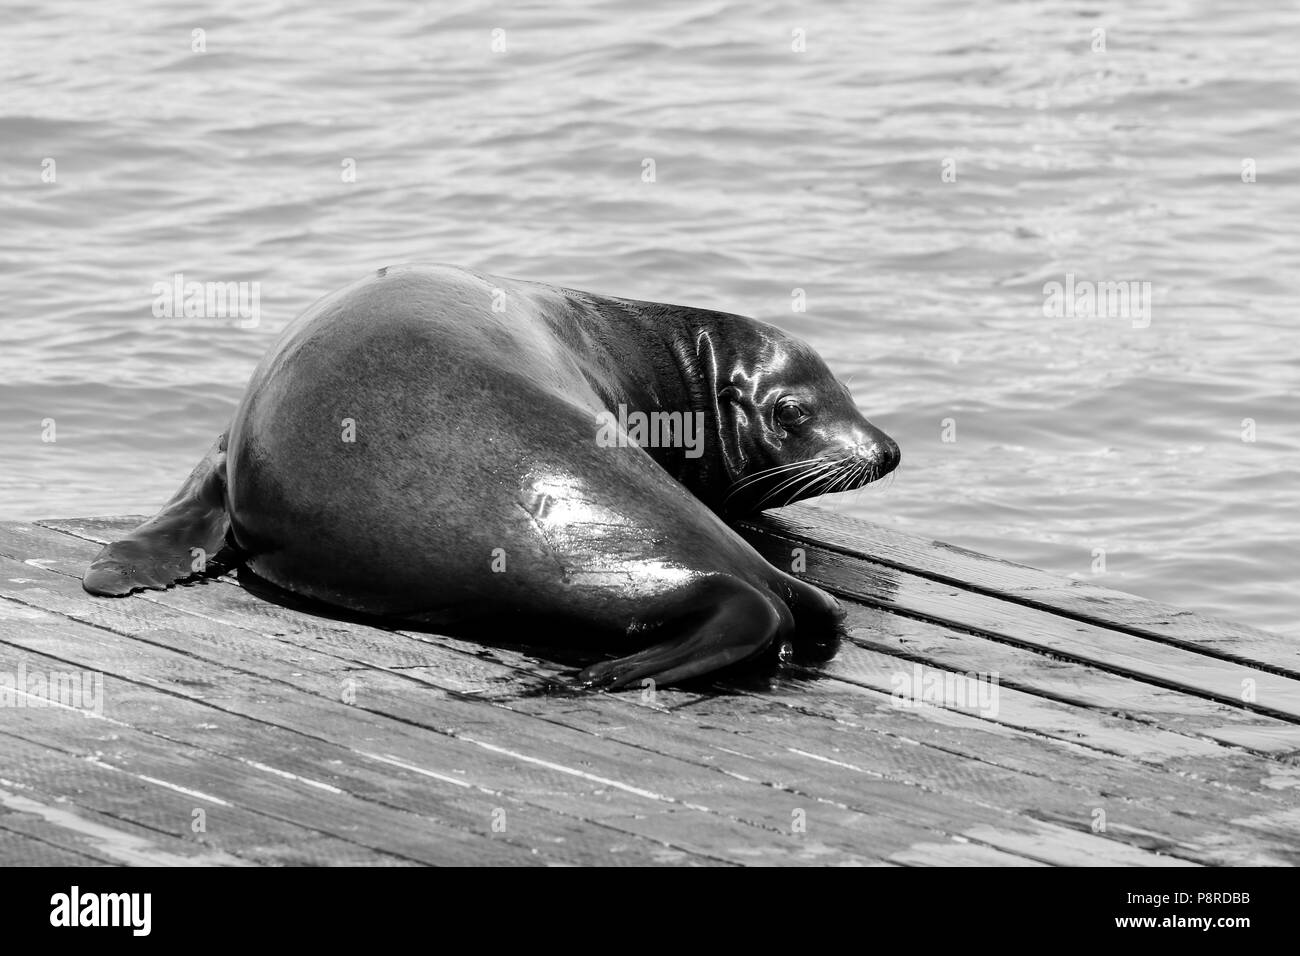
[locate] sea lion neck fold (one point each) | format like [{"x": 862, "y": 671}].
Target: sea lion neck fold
[{"x": 660, "y": 359}]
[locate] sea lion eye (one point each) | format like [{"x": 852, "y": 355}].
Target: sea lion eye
[{"x": 790, "y": 413}]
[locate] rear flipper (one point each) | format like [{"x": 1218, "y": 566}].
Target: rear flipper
[
  {"x": 818, "y": 619},
  {"x": 718, "y": 622},
  {"x": 181, "y": 541}
]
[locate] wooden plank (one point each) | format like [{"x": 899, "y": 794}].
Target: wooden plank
[
  {"x": 833, "y": 822},
  {"x": 750, "y": 742},
  {"x": 1016, "y": 773},
  {"x": 1071, "y": 683},
  {"x": 189, "y": 593},
  {"x": 177, "y": 724},
  {"x": 144, "y": 820},
  {"x": 466, "y": 673},
  {"x": 20, "y": 847},
  {"x": 957, "y": 854},
  {"x": 207, "y": 595},
  {"x": 241, "y": 799},
  {"x": 1112, "y": 780},
  {"x": 1113, "y": 734},
  {"x": 1158, "y": 810},
  {"x": 1276, "y": 696},
  {"x": 737, "y": 820},
  {"x": 1031, "y": 587},
  {"x": 1124, "y": 783},
  {"x": 1159, "y": 663},
  {"x": 1023, "y": 668},
  {"x": 786, "y": 758},
  {"x": 894, "y": 803},
  {"x": 216, "y": 750}
]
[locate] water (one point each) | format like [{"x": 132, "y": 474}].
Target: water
[{"x": 775, "y": 170}]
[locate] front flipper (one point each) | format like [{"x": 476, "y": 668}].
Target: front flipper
[
  {"x": 718, "y": 622},
  {"x": 177, "y": 543}
]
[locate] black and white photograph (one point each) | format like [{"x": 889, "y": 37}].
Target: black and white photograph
[{"x": 689, "y": 434}]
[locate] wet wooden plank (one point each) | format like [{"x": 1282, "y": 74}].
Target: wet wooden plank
[
  {"x": 203, "y": 593},
  {"x": 219, "y": 602},
  {"x": 963, "y": 758},
  {"x": 1068, "y": 682},
  {"x": 720, "y": 816},
  {"x": 1203, "y": 672},
  {"x": 1086, "y": 686},
  {"x": 732, "y": 766},
  {"x": 543, "y": 762},
  {"x": 1031, "y": 587},
  {"x": 891, "y": 807},
  {"x": 231, "y": 717},
  {"x": 140, "y": 808}
]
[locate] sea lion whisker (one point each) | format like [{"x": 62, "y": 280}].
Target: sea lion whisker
[
  {"x": 830, "y": 482},
  {"x": 770, "y": 472},
  {"x": 776, "y": 469},
  {"x": 845, "y": 481},
  {"x": 826, "y": 480},
  {"x": 862, "y": 488},
  {"x": 862, "y": 476},
  {"x": 842, "y": 479},
  {"x": 816, "y": 470},
  {"x": 810, "y": 488},
  {"x": 868, "y": 474},
  {"x": 797, "y": 477},
  {"x": 813, "y": 476},
  {"x": 765, "y": 473},
  {"x": 844, "y": 472},
  {"x": 838, "y": 480}
]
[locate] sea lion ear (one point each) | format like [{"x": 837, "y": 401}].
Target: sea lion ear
[{"x": 733, "y": 419}]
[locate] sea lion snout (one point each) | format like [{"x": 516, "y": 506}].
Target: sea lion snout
[
  {"x": 878, "y": 450},
  {"x": 860, "y": 456}
]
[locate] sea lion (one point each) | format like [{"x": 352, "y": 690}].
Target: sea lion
[{"x": 436, "y": 446}]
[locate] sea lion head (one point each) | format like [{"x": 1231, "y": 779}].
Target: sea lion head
[{"x": 788, "y": 428}]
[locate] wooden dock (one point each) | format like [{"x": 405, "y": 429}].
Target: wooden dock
[{"x": 1099, "y": 729}]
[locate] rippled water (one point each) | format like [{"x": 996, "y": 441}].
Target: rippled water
[{"x": 775, "y": 170}]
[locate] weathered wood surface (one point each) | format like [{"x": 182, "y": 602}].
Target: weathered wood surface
[{"x": 237, "y": 732}]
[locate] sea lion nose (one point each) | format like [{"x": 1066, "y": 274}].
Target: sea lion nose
[
  {"x": 890, "y": 455},
  {"x": 881, "y": 450}
]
